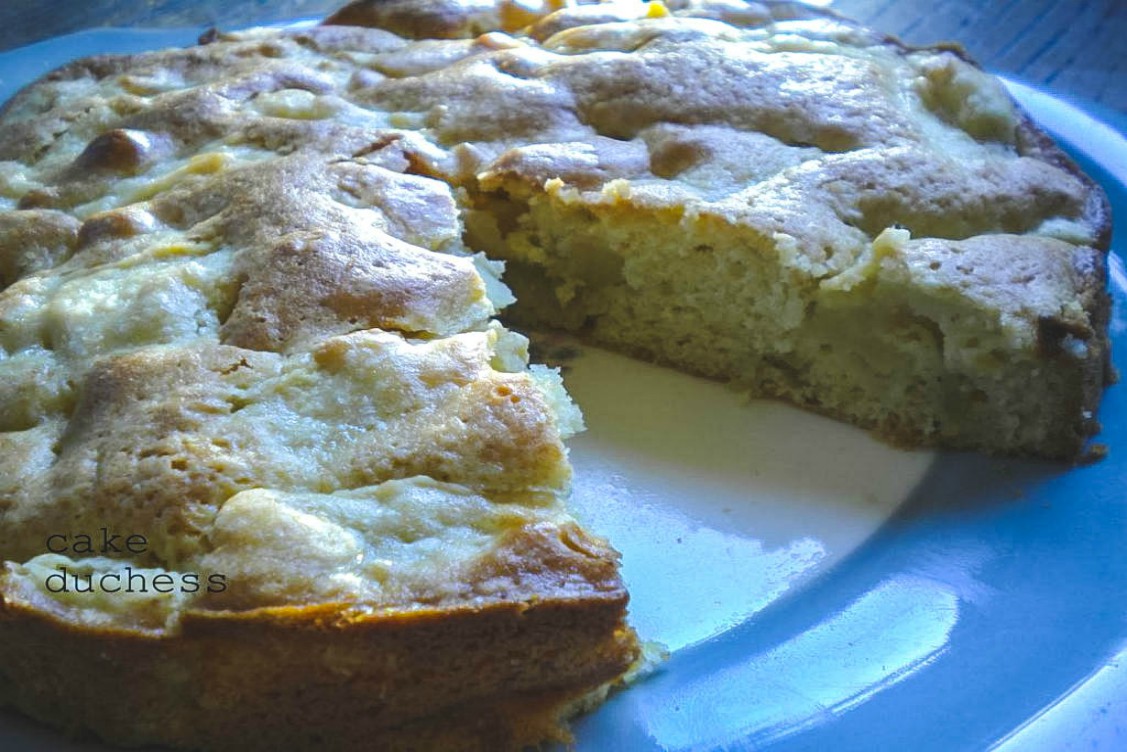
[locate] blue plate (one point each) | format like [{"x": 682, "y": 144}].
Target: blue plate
[
  {"x": 988, "y": 609},
  {"x": 988, "y": 612}
]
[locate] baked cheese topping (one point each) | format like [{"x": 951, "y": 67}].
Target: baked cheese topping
[{"x": 245, "y": 310}]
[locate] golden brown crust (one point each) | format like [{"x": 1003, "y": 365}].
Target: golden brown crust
[
  {"x": 335, "y": 681},
  {"x": 446, "y": 19},
  {"x": 1096, "y": 298},
  {"x": 39, "y": 239},
  {"x": 1032, "y": 141}
]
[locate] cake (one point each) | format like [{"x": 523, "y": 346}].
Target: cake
[
  {"x": 779, "y": 198},
  {"x": 273, "y": 472}
]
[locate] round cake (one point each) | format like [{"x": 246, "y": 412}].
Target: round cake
[{"x": 273, "y": 472}]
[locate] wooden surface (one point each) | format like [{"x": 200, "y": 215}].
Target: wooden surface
[
  {"x": 1073, "y": 47},
  {"x": 1077, "y": 48}
]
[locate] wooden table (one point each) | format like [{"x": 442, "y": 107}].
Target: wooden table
[{"x": 1077, "y": 48}]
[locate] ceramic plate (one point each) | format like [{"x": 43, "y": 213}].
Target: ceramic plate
[{"x": 816, "y": 589}]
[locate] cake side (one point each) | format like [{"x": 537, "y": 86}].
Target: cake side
[{"x": 338, "y": 675}]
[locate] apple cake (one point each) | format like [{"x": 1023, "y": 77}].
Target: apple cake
[
  {"x": 273, "y": 474},
  {"x": 776, "y": 197}
]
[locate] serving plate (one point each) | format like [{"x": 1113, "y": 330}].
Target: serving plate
[{"x": 816, "y": 589}]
